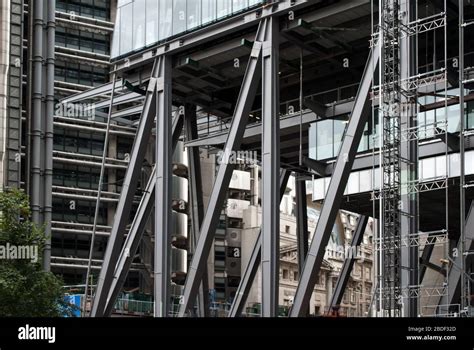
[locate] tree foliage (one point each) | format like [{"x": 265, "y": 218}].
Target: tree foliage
[{"x": 26, "y": 290}]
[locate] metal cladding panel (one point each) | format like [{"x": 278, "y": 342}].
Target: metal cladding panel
[
  {"x": 240, "y": 180},
  {"x": 236, "y": 207}
]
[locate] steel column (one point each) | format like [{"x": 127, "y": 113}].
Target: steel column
[
  {"x": 348, "y": 264},
  {"x": 301, "y": 223},
  {"x": 335, "y": 191},
  {"x": 163, "y": 223},
  {"x": 270, "y": 167},
  {"x": 252, "y": 267},
  {"x": 424, "y": 260},
  {"x": 137, "y": 228},
  {"x": 129, "y": 188},
  {"x": 216, "y": 201},
  {"x": 409, "y": 167},
  {"x": 196, "y": 202}
]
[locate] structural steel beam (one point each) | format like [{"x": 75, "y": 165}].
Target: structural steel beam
[
  {"x": 301, "y": 221},
  {"x": 449, "y": 138},
  {"x": 196, "y": 202},
  {"x": 216, "y": 201},
  {"x": 320, "y": 168},
  {"x": 252, "y": 267},
  {"x": 433, "y": 267},
  {"x": 163, "y": 222},
  {"x": 318, "y": 108},
  {"x": 270, "y": 168},
  {"x": 348, "y": 264},
  {"x": 132, "y": 242},
  {"x": 137, "y": 228},
  {"x": 425, "y": 260},
  {"x": 454, "y": 275},
  {"x": 336, "y": 189},
  {"x": 216, "y": 31},
  {"x": 129, "y": 188}
]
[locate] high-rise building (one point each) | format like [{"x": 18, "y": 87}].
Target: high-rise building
[
  {"x": 54, "y": 49},
  {"x": 82, "y": 60}
]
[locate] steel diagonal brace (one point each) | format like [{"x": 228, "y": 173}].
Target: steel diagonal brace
[
  {"x": 216, "y": 201},
  {"x": 348, "y": 263},
  {"x": 196, "y": 202},
  {"x": 129, "y": 188},
  {"x": 254, "y": 261},
  {"x": 338, "y": 183},
  {"x": 137, "y": 228}
]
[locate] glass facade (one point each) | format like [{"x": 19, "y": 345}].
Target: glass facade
[
  {"x": 141, "y": 23},
  {"x": 325, "y": 136},
  {"x": 98, "y": 9},
  {"x": 82, "y": 40}
]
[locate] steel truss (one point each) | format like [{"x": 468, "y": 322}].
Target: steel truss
[
  {"x": 267, "y": 35},
  {"x": 416, "y": 240},
  {"x": 128, "y": 192},
  {"x": 336, "y": 189},
  {"x": 348, "y": 264}
]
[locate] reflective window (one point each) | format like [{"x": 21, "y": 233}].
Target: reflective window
[
  {"x": 238, "y": 5},
  {"x": 209, "y": 11},
  {"x": 179, "y": 16},
  {"x": 141, "y": 23},
  {"x": 470, "y": 115},
  {"x": 325, "y": 139},
  {"x": 151, "y": 21},
  {"x": 193, "y": 14},
  {"x": 224, "y": 8},
  {"x": 139, "y": 15},
  {"x": 126, "y": 28},
  {"x": 325, "y": 136},
  {"x": 165, "y": 19}
]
